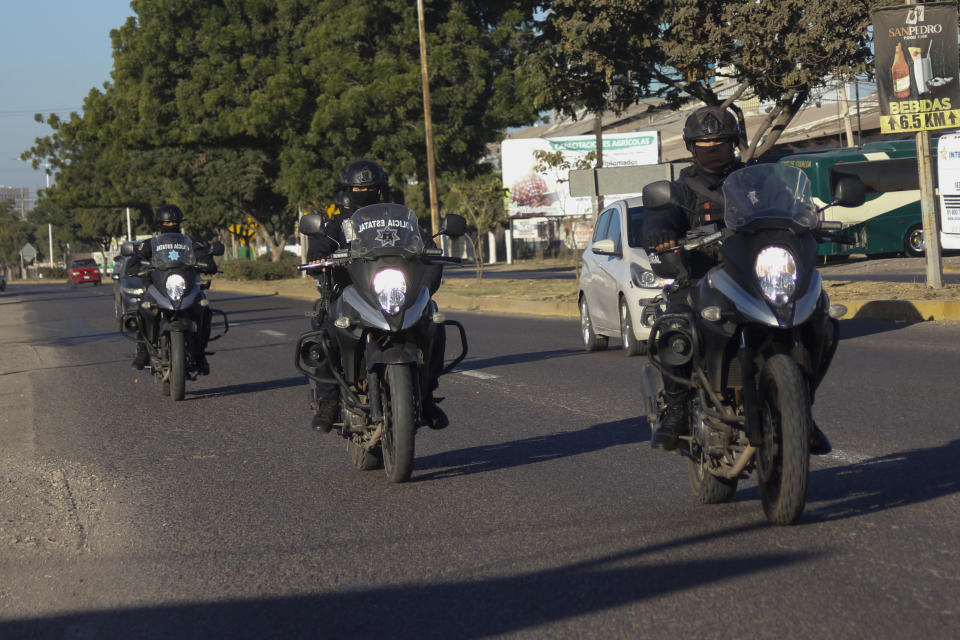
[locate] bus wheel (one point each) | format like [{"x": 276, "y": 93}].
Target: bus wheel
[{"x": 913, "y": 241}]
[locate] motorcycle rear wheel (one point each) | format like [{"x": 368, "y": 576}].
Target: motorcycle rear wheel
[
  {"x": 178, "y": 365},
  {"x": 397, "y": 390},
  {"x": 708, "y": 488},
  {"x": 783, "y": 459}
]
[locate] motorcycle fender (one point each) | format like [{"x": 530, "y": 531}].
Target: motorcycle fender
[
  {"x": 394, "y": 354},
  {"x": 178, "y": 324}
]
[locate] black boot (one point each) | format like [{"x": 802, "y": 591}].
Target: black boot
[
  {"x": 434, "y": 416},
  {"x": 674, "y": 422},
  {"x": 142, "y": 359},
  {"x": 326, "y": 411},
  {"x": 203, "y": 367},
  {"x": 819, "y": 443}
]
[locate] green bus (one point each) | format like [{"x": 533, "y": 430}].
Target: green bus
[{"x": 889, "y": 221}]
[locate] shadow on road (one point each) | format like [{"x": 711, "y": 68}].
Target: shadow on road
[
  {"x": 247, "y": 387},
  {"x": 464, "y": 609},
  {"x": 860, "y": 327},
  {"x": 879, "y": 484},
  {"x": 518, "y": 453},
  {"x": 517, "y": 358}
]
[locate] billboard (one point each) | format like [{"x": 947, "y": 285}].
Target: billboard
[
  {"x": 535, "y": 193},
  {"x": 916, "y": 66}
]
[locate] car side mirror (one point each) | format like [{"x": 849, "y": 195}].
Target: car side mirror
[
  {"x": 605, "y": 247},
  {"x": 216, "y": 248},
  {"x": 849, "y": 191},
  {"x": 126, "y": 249},
  {"x": 453, "y": 225},
  {"x": 312, "y": 225}
]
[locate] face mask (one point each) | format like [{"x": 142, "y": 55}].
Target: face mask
[
  {"x": 715, "y": 159},
  {"x": 365, "y": 198}
]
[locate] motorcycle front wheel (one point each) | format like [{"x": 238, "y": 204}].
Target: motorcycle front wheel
[
  {"x": 178, "y": 365},
  {"x": 397, "y": 390},
  {"x": 708, "y": 488},
  {"x": 783, "y": 458}
]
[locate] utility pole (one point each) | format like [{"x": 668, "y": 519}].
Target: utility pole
[{"x": 428, "y": 124}]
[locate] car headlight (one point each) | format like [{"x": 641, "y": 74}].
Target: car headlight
[
  {"x": 176, "y": 285},
  {"x": 132, "y": 291},
  {"x": 391, "y": 289},
  {"x": 776, "y": 271},
  {"x": 643, "y": 277}
]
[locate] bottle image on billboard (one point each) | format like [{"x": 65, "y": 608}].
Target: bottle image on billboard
[{"x": 901, "y": 74}]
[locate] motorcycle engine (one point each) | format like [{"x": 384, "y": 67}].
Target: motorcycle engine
[{"x": 713, "y": 439}]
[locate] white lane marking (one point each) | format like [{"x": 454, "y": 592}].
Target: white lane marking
[
  {"x": 477, "y": 374},
  {"x": 271, "y": 332}
]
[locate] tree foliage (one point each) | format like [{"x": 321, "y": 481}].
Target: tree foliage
[
  {"x": 14, "y": 233},
  {"x": 236, "y": 108}
]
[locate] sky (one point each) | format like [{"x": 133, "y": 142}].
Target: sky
[{"x": 52, "y": 52}]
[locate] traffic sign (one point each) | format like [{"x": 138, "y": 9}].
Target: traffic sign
[{"x": 28, "y": 253}]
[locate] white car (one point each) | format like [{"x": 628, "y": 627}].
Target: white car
[{"x": 616, "y": 281}]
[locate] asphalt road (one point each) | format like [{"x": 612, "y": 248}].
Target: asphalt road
[{"x": 541, "y": 512}]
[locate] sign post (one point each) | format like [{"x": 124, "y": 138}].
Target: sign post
[{"x": 916, "y": 70}]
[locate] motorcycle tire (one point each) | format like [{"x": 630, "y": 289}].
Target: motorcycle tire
[
  {"x": 399, "y": 426},
  {"x": 708, "y": 488},
  {"x": 783, "y": 458},
  {"x": 178, "y": 365}
]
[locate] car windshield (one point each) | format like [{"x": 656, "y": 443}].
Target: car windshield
[
  {"x": 384, "y": 229},
  {"x": 768, "y": 191},
  {"x": 84, "y": 263},
  {"x": 171, "y": 249}
]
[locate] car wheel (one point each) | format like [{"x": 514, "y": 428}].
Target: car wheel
[
  {"x": 913, "y": 242},
  {"x": 591, "y": 341},
  {"x": 631, "y": 345}
]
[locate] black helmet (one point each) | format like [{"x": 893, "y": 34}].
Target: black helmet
[
  {"x": 168, "y": 215},
  {"x": 365, "y": 181},
  {"x": 710, "y": 123}
]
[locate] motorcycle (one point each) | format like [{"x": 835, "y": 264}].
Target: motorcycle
[
  {"x": 386, "y": 344},
  {"x": 758, "y": 337},
  {"x": 173, "y": 314}
]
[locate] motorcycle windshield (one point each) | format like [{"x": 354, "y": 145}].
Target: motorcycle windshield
[
  {"x": 768, "y": 192},
  {"x": 384, "y": 229},
  {"x": 171, "y": 250}
]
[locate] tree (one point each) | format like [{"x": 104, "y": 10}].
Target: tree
[
  {"x": 236, "y": 108},
  {"x": 14, "y": 233},
  {"x": 780, "y": 51},
  {"x": 481, "y": 201}
]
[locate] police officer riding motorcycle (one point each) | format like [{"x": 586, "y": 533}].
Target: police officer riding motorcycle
[{"x": 711, "y": 134}]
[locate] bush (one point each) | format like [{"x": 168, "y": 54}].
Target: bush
[
  {"x": 52, "y": 273},
  {"x": 260, "y": 269}
]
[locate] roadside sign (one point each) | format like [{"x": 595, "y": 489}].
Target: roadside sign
[
  {"x": 916, "y": 67},
  {"x": 28, "y": 253}
]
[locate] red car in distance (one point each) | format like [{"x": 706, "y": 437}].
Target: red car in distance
[{"x": 83, "y": 270}]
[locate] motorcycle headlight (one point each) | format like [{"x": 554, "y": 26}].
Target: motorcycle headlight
[
  {"x": 391, "y": 289},
  {"x": 176, "y": 285},
  {"x": 776, "y": 271}
]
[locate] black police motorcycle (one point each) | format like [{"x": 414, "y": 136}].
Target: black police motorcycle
[
  {"x": 173, "y": 314},
  {"x": 759, "y": 336},
  {"x": 387, "y": 339}
]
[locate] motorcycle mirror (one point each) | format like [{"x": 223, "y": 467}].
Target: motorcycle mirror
[
  {"x": 312, "y": 224},
  {"x": 849, "y": 191},
  {"x": 657, "y": 195},
  {"x": 216, "y": 248},
  {"x": 453, "y": 225},
  {"x": 126, "y": 249}
]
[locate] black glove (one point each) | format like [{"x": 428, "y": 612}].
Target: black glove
[{"x": 656, "y": 237}]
